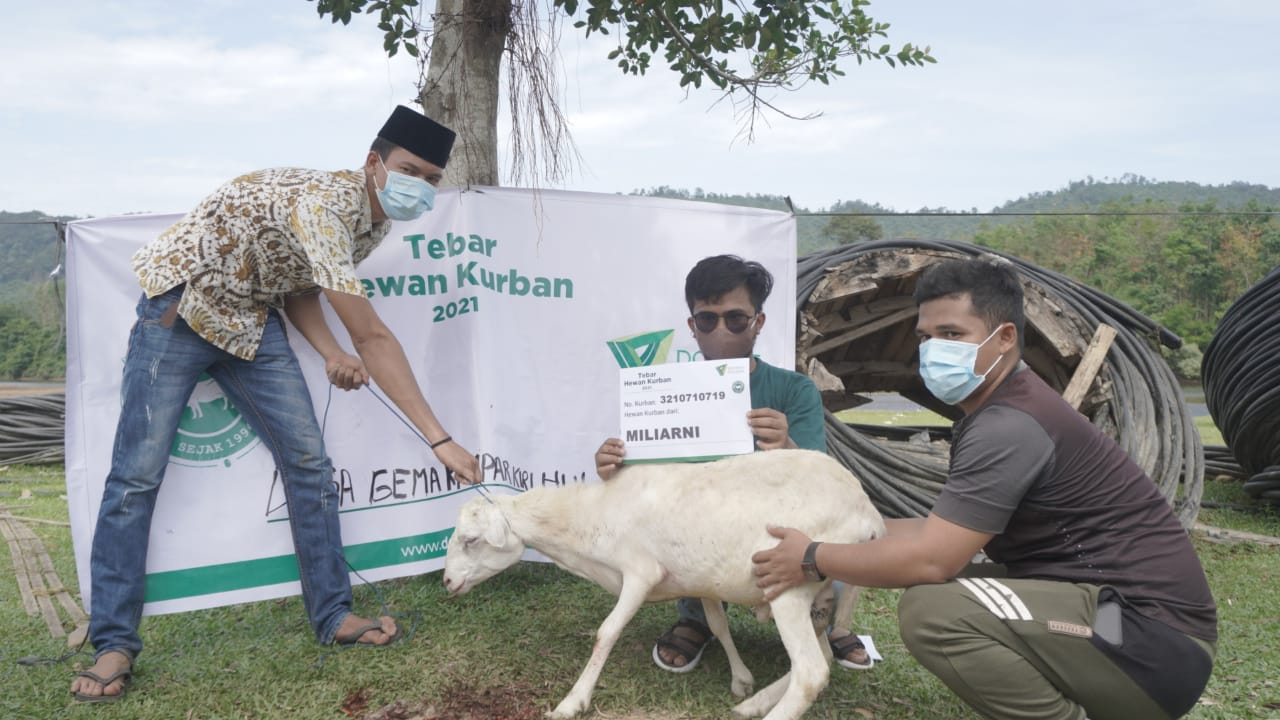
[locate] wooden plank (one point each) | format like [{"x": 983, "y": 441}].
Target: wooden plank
[
  {"x": 868, "y": 271},
  {"x": 19, "y": 567},
  {"x": 41, "y": 521},
  {"x": 31, "y": 548},
  {"x": 57, "y": 588},
  {"x": 1047, "y": 366},
  {"x": 1217, "y": 534},
  {"x": 37, "y": 579},
  {"x": 903, "y": 345},
  {"x": 1089, "y": 365},
  {"x": 865, "y": 370},
  {"x": 862, "y": 313},
  {"x": 823, "y": 378},
  {"x": 1049, "y": 319},
  {"x": 863, "y": 330}
]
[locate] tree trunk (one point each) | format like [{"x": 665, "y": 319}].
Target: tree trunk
[{"x": 461, "y": 89}]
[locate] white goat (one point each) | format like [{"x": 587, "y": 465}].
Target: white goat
[{"x": 658, "y": 532}]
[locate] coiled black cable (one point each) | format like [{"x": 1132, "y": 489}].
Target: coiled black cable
[
  {"x": 1240, "y": 373},
  {"x": 31, "y": 429}
]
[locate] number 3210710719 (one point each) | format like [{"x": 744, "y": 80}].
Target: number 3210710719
[{"x": 440, "y": 313}]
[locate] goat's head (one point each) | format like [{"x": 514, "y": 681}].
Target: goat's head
[{"x": 482, "y": 545}]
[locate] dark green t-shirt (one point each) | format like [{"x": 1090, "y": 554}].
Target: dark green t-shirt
[{"x": 795, "y": 396}]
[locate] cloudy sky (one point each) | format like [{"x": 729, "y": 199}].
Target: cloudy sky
[{"x": 111, "y": 107}]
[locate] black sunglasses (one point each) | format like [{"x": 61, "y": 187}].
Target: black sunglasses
[{"x": 735, "y": 321}]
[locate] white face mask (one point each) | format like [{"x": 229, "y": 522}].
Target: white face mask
[
  {"x": 947, "y": 368},
  {"x": 404, "y": 197}
]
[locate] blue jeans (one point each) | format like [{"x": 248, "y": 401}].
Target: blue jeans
[{"x": 165, "y": 360}]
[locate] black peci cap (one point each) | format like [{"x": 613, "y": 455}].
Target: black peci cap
[{"x": 418, "y": 134}]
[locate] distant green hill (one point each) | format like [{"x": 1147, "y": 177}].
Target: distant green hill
[
  {"x": 808, "y": 228},
  {"x": 28, "y": 246},
  {"x": 1179, "y": 252},
  {"x": 941, "y": 223},
  {"x": 1165, "y": 248},
  {"x": 1136, "y": 189},
  {"x": 28, "y": 251},
  {"x": 31, "y": 303}
]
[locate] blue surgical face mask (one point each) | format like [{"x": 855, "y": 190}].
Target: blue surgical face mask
[
  {"x": 947, "y": 367},
  {"x": 404, "y": 197}
]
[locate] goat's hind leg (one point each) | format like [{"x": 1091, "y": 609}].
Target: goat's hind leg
[
  {"x": 742, "y": 682},
  {"x": 630, "y": 599},
  {"x": 792, "y": 694}
]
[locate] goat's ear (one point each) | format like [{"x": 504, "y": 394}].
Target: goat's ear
[{"x": 495, "y": 528}]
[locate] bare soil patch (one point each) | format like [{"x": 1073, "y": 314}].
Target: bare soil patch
[{"x": 462, "y": 701}]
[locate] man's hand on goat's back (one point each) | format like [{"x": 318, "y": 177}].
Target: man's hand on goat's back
[
  {"x": 609, "y": 458},
  {"x": 778, "y": 569},
  {"x": 770, "y": 428}
]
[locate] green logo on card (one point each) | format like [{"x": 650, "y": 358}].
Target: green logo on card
[{"x": 642, "y": 349}]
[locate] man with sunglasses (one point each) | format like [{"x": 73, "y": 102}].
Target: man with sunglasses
[
  {"x": 1104, "y": 611},
  {"x": 726, "y": 295}
]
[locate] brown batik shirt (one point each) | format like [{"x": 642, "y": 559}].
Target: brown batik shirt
[{"x": 255, "y": 240}]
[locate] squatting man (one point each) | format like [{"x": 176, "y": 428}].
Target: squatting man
[{"x": 1105, "y": 612}]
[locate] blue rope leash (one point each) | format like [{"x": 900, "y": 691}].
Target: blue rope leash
[{"x": 413, "y": 615}]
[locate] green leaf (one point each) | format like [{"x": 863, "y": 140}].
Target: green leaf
[{"x": 786, "y": 42}]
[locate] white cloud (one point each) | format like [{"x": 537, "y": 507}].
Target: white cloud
[{"x": 156, "y": 102}]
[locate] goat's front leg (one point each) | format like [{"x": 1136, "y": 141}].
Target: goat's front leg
[
  {"x": 633, "y": 594},
  {"x": 742, "y": 682}
]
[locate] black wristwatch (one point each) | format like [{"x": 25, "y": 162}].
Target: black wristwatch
[{"x": 809, "y": 565}]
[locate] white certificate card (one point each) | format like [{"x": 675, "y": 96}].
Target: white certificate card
[{"x": 686, "y": 411}]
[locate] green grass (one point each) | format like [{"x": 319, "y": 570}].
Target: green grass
[
  {"x": 892, "y": 417},
  {"x": 513, "y": 647},
  {"x": 1209, "y": 432}
]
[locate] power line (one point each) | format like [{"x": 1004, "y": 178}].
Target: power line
[{"x": 1071, "y": 213}]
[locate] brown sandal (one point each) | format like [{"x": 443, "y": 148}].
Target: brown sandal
[{"x": 843, "y": 647}]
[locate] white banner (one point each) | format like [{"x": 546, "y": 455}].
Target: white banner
[{"x": 516, "y": 309}]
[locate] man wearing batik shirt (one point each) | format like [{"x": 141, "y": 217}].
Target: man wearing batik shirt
[{"x": 214, "y": 286}]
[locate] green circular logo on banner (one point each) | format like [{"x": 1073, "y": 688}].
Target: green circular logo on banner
[
  {"x": 211, "y": 431},
  {"x": 737, "y": 386}
]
